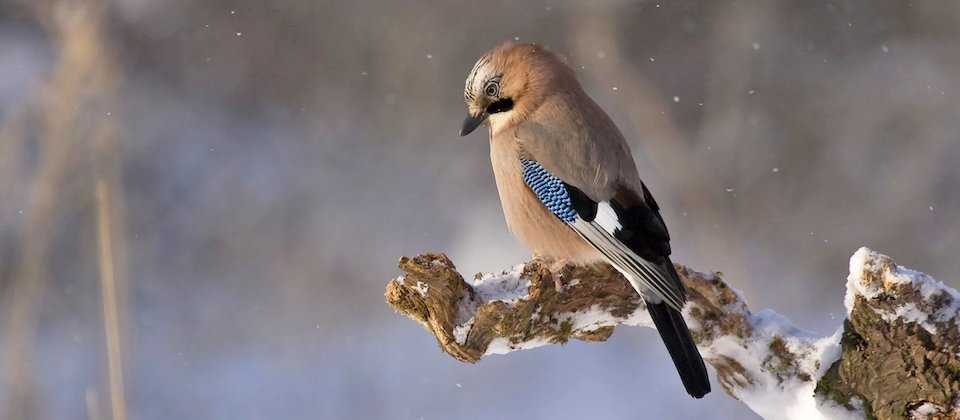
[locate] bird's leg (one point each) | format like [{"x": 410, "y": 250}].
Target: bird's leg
[
  {"x": 557, "y": 267},
  {"x": 557, "y": 270}
]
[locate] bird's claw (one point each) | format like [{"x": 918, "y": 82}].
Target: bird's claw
[
  {"x": 557, "y": 269},
  {"x": 558, "y": 282}
]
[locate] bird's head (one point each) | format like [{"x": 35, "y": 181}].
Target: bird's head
[{"x": 508, "y": 83}]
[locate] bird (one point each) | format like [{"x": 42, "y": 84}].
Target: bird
[{"x": 569, "y": 186}]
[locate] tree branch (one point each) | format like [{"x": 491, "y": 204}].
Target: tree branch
[{"x": 897, "y": 355}]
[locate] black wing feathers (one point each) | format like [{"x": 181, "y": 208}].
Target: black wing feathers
[
  {"x": 643, "y": 230},
  {"x": 583, "y": 205}
]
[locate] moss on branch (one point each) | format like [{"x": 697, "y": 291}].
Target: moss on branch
[{"x": 888, "y": 366}]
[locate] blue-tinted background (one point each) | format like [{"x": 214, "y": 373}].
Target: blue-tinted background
[{"x": 267, "y": 162}]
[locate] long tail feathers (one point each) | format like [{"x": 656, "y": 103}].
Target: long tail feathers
[
  {"x": 673, "y": 330},
  {"x": 635, "y": 241}
]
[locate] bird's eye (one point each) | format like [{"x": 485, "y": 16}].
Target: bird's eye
[{"x": 492, "y": 89}]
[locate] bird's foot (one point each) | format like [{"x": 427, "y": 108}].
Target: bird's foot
[{"x": 557, "y": 271}]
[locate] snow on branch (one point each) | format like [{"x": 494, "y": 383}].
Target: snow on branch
[{"x": 897, "y": 355}]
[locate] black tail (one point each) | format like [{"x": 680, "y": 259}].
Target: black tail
[{"x": 673, "y": 330}]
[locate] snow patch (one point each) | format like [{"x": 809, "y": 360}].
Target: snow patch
[
  {"x": 501, "y": 345},
  {"x": 865, "y": 263},
  {"x": 929, "y": 410},
  {"x": 597, "y": 317},
  {"x": 859, "y": 263},
  {"x": 909, "y": 313},
  {"x": 437, "y": 262},
  {"x": 422, "y": 288},
  {"x": 461, "y": 330},
  {"x": 583, "y": 321},
  {"x": 508, "y": 287},
  {"x": 925, "y": 411},
  {"x": 770, "y": 395}
]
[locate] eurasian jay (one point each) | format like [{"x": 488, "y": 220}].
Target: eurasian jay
[{"x": 569, "y": 186}]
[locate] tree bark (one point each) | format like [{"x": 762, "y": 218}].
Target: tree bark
[{"x": 896, "y": 355}]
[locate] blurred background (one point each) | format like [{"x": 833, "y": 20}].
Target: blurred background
[{"x": 202, "y": 202}]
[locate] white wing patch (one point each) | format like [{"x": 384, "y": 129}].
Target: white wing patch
[
  {"x": 655, "y": 282},
  {"x": 607, "y": 218}
]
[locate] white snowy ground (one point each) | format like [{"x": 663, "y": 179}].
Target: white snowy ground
[{"x": 770, "y": 395}]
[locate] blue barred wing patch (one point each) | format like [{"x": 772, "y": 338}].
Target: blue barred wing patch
[{"x": 551, "y": 191}]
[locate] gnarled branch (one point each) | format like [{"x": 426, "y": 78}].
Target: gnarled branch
[{"x": 897, "y": 355}]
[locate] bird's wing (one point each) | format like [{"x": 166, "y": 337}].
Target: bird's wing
[
  {"x": 626, "y": 229},
  {"x": 573, "y": 139}
]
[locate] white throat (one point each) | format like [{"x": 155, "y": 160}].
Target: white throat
[{"x": 499, "y": 121}]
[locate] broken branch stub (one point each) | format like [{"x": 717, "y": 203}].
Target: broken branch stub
[{"x": 431, "y": 290}]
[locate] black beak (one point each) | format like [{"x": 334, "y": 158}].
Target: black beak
[{"x": 472, "y": 122}]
